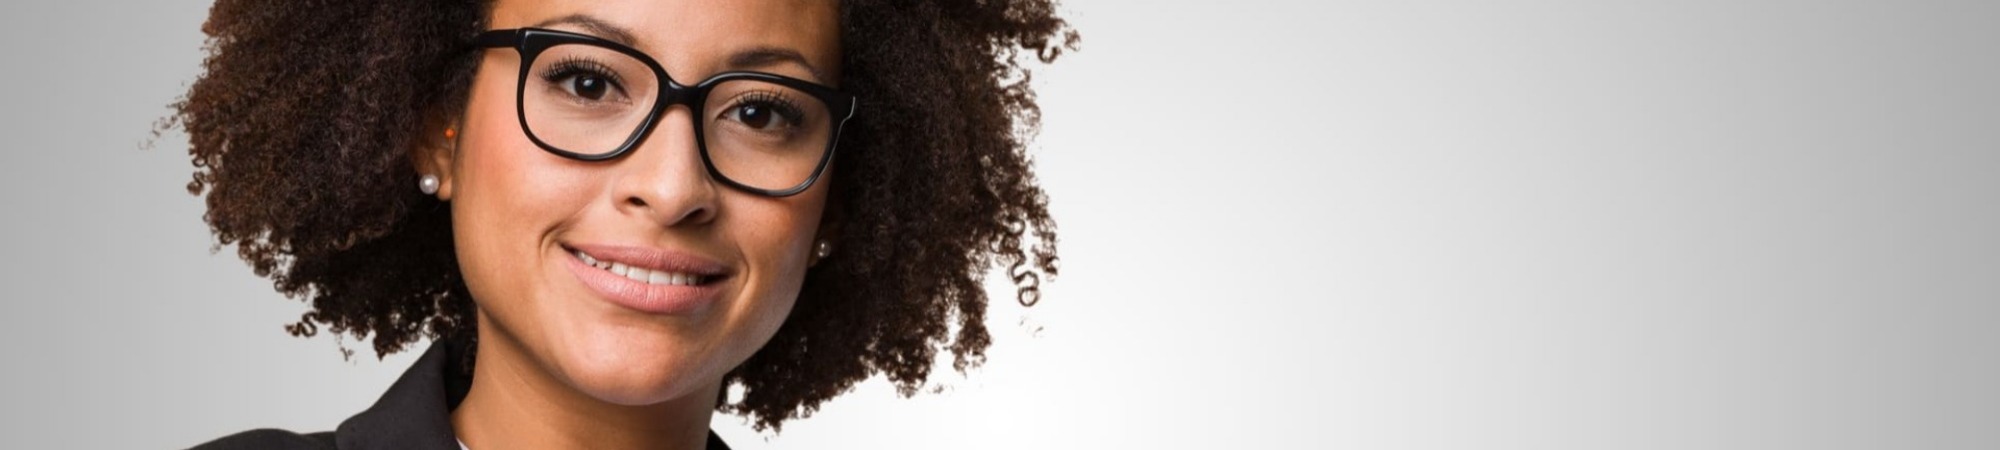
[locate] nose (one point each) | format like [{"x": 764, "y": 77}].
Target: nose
[{"x": 664, "y": 179}]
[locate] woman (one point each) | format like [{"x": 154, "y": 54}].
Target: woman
[{"x": 606, "y": 214}]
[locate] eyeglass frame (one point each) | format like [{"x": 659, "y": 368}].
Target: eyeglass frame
[{"x": 531, "y": 42}]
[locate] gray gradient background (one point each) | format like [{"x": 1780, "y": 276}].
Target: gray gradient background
[{"x": 1341, "y": 224}]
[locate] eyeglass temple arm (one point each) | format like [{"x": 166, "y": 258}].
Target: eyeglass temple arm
[{"x": 499, "y": 38}]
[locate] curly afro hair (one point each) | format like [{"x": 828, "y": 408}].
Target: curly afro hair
[{"x": 303, "y": 121}]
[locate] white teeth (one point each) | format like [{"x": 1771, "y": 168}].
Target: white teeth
[{"x": 642, "y": 275}]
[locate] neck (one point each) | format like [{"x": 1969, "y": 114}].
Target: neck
[{"x": 516, "y": 403}]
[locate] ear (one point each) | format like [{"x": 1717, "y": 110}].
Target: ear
[{"x": 435, "y": 151}]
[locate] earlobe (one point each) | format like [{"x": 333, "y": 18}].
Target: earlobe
[{"x": 433, "y": 161}]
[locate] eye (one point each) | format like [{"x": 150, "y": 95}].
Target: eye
[
  {"x": 764, "y": 111},
  {"x": 588, "y": 86},
  {"x": 584, "y": 80},
  {"x": 756, "y": 116}
]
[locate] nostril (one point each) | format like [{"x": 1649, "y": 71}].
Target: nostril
[
  {"x": 698, "y": 215},
  {"x": 694, "y": 213}
]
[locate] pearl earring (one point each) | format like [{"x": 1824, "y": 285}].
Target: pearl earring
[
  {"x": 822, "y": 249},
  {"x": 428, "y": 183}
]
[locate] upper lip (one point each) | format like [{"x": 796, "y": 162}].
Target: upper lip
[{"x": 654, "y": 259}]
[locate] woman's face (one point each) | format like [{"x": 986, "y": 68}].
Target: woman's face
[{"x": 521, "y": 214}]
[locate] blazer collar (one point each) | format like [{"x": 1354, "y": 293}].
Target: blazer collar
[{"x": 416, "y": 411}]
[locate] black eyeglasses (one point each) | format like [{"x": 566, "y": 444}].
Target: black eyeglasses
[{"x": 592, "y": 99}]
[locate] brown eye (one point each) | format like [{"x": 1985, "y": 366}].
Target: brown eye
[
  {"x": 765, "y": 113},
  {"x": 584, "y": 80},
  {"x": 755, "y": 116},
  {"x": 587, "y": 86}
]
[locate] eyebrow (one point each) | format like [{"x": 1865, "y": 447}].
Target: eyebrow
[
  {"x": 746, "y": 59},
  {"x": 595, "y": 26},
  {"x": 771, "y": 56}
]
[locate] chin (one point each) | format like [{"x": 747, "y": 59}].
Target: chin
[
  {"x": 632, "y": 392},
  {"x": 634, "y": 386},
  {"x": 637, "y": 370}
]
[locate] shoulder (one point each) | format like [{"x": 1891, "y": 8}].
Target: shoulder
[{"x": 270, "y": 438}]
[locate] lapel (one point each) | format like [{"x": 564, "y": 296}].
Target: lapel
[{"x": 415, "y": 413}]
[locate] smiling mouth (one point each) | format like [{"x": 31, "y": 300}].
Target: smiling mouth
[{"x": 653, "y": 277}]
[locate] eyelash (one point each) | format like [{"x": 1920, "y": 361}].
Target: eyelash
[
  {"x": 782, "y": 105},
  {"x": 573, "y": 66}
]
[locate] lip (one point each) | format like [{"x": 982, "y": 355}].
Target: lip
[{"x": 650, "y": 298}]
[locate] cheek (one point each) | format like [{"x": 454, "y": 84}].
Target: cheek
[
  {"x": 507, "y": 196},
  {"x": 774, "y": 235}
]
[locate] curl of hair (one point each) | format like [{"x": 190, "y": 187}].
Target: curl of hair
[{"x": 302, "y": 124}]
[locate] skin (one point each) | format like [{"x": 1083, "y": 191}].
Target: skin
[{"x": 559, "y": 366}]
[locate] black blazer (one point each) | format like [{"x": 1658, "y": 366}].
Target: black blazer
[{"x": 414, "y": 414}]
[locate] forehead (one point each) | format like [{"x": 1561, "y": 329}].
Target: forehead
[{"x": 693, "y": 38}]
